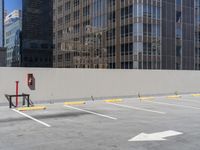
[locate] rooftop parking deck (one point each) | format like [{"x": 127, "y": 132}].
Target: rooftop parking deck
[{"x": 105, "y": 125}]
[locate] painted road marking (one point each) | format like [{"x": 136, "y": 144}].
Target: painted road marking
[
  {"x": 137, "y": 108},
  {"x": 113, "y": 100},
  {"x": 146, "y": 98},
  {"x": 174, "y": 105},
  {"x": 174, "y": 97},
  {"x": 43, "y": 123},
  {"x": 90, "y": 112},
  {"x": 75, "y": 103},
  {"x": 31, "y": 108},
  {"x": 196, "y": 95},
  {"x": 159, "y": 136}
]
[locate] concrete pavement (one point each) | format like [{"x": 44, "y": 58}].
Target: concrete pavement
[{"x": 103, "y": 126}]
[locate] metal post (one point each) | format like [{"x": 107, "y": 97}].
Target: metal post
[
  {"x": 28, "y": 101},
  {"x": 17, "y": 92},
  {"x": 24, "y": 99},
  {"x": 10, "y": 103}
]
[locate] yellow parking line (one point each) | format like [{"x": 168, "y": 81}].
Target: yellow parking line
[
  {"x": 146, "y": 98},
  {"x": 31, "y": 108},
  {"x": 113, "y": 100},
  {"x": 75, "y": 103},
  {"x": 174, "y": 97},
  {"x": 196, "y": 95}
]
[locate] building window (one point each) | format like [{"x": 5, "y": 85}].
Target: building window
[
  {"x": 60, "y": 34},
  {"x": 76, "y": 2},
  {"x": 67, "y": 18},
  {"x": 34, "y": 45},
  {"x": 178, "y": 33},
  {"x": 60, "y": 9},
  {"x": 178, "y": 16},
  {"x": 111, "y": 16},
  {"x": 127, "y": 30},
  {"x": 178, "y": 51},
  {"x": 67, "y": 6},
  {"x": 59, "y": 58},
  {"x": 127, "y": 12},
  {"x": 76, "y": 15},
  {"x": 178, "y": 2},
  {"x": 86, "y": 11},
  {"x": 138, "y": 10},
  {"x": 138, "y": 29}
]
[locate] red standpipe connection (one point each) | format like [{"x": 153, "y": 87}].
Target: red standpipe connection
[{"x": 17, "y": 93}]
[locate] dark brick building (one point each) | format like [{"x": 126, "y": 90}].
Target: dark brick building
[
  {"x": 36, "y": 36},
  {"x": 1, "y": 23}
]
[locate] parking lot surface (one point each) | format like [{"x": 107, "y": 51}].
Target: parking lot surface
[{"x": 131, "y": 124}]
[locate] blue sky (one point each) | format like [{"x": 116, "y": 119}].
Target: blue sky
[{"x": 11, "y": 5}]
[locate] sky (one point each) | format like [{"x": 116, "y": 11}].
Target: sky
[{"x": 11, "y": 5}]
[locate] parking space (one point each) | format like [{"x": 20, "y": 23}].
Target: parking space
[
  {"x": 159, "y": 123},
  {"x": 184, "y": 102}
]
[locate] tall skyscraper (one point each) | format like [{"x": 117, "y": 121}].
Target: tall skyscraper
[
  {"x": 13, "y": 28},
  {"x": 197, "y": 34},
  {"x": 136, "y": 34},
  {"x": 2, "y": 57},
  {"x": 1, "y": 23},
  {"x": 36, "y": 37},
  {"x": 178, "y": 40}
]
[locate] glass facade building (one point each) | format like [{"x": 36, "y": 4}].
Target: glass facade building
[
  {"x": 36, "y": 37},
  {"x": 127, "y": 34},
  {"x": 197, "y": 33},
  {"x": 13, "y": 29}
]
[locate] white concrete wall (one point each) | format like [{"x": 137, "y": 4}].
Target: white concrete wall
[{"x": 68, "y": 84}]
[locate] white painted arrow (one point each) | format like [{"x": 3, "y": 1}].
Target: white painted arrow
[{"x": 160, "y": 136}]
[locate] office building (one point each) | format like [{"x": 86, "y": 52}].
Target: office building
[
  {"x": 77, "y": 42},
  {"x": 136, "y": 34},
  {"x": 2, "y": 57},
  {"x": 36, "y": 38},
  {"x": 197, "y": 34},
  {"x": 13, "y": 28},
  {"x": 9, "y": 18}
]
